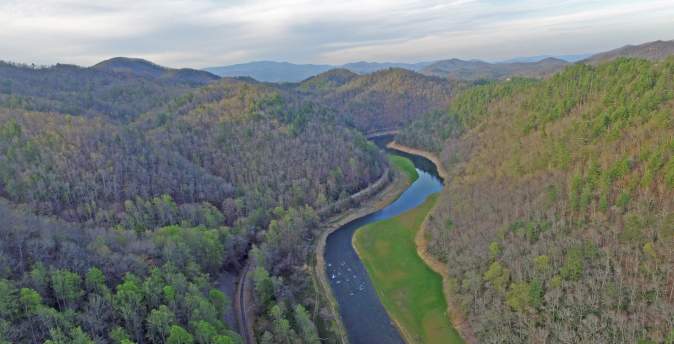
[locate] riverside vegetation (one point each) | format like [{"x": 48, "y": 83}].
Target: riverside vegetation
[
  {"x": 126, "y": 188},
  {"x": 408, "y": 288},
  {"x": 557, "y": 224}
]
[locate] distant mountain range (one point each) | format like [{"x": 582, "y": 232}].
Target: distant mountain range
[
  {"x": 537, "y": 58},
  {"x": 469, "y": 70},
  {"x": 270, "y": 71},
  {"x": 478, "y": 70}
]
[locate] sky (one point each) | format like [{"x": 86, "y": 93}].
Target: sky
[{"x": 202, "y": 33}]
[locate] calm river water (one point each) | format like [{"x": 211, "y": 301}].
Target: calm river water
[{"x": 363, "y": 314}]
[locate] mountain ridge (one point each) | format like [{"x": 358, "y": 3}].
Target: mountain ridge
[
  {"x": 149, "y": 69},
  {"x": 655, "y": 50}
]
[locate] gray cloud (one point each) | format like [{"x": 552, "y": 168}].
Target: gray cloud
[{"x": 214, "y": 32}]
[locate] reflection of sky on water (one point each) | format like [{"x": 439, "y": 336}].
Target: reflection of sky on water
[{"x": 363, "y": 315}]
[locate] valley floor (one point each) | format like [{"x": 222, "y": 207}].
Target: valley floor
[{"x": 410, "y": 291}]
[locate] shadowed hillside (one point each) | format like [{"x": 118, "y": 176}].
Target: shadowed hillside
[
  {"x": 381, "y": 100},
  {"x": 119, "y": 89}
]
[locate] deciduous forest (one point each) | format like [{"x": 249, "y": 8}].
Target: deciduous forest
[
  {"x": 558, "y": 221},
  {"x": 128, "y": 188}
]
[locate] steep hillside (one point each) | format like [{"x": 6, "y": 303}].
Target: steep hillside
[
  {"x": 382, "y": 100},
  {"x": 97, "y": 91},
  {"x": 656, "y": 50},
  {"x": 478, "y": 70},
  {"x": 116, "y": 226},
  {"x": 558, "y": 222}
]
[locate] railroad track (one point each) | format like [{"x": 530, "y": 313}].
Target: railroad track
[{"x": 241, "y": 300}]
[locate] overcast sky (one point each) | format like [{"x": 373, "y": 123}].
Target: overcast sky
[{"x": 202, "y": 33}]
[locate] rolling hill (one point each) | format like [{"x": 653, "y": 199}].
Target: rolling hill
[
  {"x": 656, "y": 50},
  {"x": 147, "y": 69},
  {"x": 269, "y": 71},
  {"x": 119, "y": 89},
  {"x": 558, "y": 220},
  {"x": 386, "y": 99},
  {"x": 474, "y": 70}
]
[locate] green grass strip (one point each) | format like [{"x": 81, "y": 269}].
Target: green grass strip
[
  {"x": 410, "y": 291},
  {"x": 405, "y": 165}
]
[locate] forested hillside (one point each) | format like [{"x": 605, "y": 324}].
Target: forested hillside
[
  {"x": 117, "y": 220},
  {"x": 95, "y": 91},
  {"x": 386, "y": 99},
  {"x": 475, "y": 70},
  {"x": 558, "y": 221},
  {"x": 653, "y": 51}
]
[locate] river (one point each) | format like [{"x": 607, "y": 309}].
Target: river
[{"x": 362, "y": 313}]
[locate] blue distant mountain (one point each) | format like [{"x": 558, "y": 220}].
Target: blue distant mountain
[
  {"x": 270, "y": 71},
  {"x": 538, "y": 58}
]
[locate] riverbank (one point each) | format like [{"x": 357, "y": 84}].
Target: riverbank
[
  {"x": 442, "y": 172},
  {"x": 455, "y": 314},
  {"x": 397, "y": 184}
]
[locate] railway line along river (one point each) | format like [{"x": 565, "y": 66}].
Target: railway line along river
[{"x": 362, "y": 312}]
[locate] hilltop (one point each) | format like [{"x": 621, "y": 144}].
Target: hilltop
[
  {"x": 386, "y": 99},
  {"x": 473, "y": 70},
  {"x": 147, "y": 69},
  {"x": 656, "y": 50}
]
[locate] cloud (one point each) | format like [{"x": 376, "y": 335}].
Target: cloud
[{"x": 214, "y": 32}]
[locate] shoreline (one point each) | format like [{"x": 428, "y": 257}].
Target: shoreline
[
  {"x": 456, "y": 317},
  {"x": 428, "y": 155},
  {"x": 396, "y": 185}
]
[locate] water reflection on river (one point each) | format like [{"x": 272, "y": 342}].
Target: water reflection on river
[{"x": 363, "y": 314}]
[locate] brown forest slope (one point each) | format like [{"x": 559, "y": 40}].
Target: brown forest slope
[
  {"x": 382, "y": 100},
  {"x": 558, "y": 222},
  {"x": 656, "y": 50}
]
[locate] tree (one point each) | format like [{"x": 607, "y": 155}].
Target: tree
[
  {"x": 219, "y": 301},
  {"x": 128, "y": 302},
  {"x": 75, "y": 336},
  {"x": 573, "y": 265},
  {"x": 542, "y": 263},
  {"x": 179, "y": 335},
  {"x": 281, "y": 324},
  {"x": 264, "y": 288},
  {"x": 494, "y": 249},
  {"x": 204, "y": 332},
  {"x": 497, "y": 275},
  {"x": 518, "y": 296},
  {"x": 94, "y": 281},
  {"x": 159, "y": 324},
  {"x": 39, "y": 278},
  {"x": 66, "y": 286},
  {"x": 306, "y": 326},
  {"x": 30, "y": 301},
  {"x": 8, "y": 301}
]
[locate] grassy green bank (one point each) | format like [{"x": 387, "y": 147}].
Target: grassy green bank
[
  {"x": 404, "y": 165},
  {"x": 410, "y": 291}
]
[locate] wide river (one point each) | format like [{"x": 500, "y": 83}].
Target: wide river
[{"x": 364, "y": 316}]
